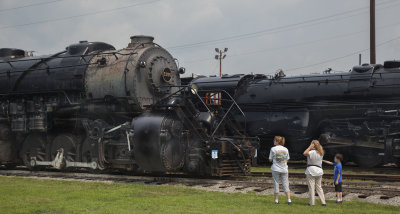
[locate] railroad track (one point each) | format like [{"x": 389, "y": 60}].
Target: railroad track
[
  {"x": 362, "y": 177},
  {"x": 348, "y": 166},
  {"x": 258, "y": 184}
]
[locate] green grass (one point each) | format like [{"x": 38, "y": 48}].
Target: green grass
[{"x": 27, "y": 195}]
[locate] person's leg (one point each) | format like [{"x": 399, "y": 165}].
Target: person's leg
[
  {"x": 318, "y": 187},
  {"x": 285, "y": 184},
  {"x": 276, "y": 197},
  {"x": 275, "y": 178},
  {"x": 288, "y": 196},
  {"x": 341, "y": 196},
  {"x": 337, "y": 193},
  {"x": 311, "y": 190}
]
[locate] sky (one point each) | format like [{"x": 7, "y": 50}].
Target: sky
[{"x": 262, "y": 36}]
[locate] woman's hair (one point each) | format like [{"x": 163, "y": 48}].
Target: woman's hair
[
  {"x": 280, "y": 140},
  {"x": 318, "y": 147}
]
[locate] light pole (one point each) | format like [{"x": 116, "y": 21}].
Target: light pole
[
  {"x": 372, "y": 33},
  {"x": 220, "y": 57}
]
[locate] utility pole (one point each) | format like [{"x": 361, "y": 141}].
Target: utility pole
[
  {"x": 372, "y": 33},
  {"x": 221, "y": 55}
]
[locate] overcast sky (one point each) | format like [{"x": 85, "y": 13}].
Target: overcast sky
[{"x": 299, "y": 36}]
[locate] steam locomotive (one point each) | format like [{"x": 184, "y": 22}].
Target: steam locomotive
[
  {"x": 92, "y": 106},
  {"x": 356, "y": 113}
]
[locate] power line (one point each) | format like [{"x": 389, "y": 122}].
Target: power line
[
  {"x": 257, "y": 35},
  {"x": 341, "y": 57},
  {"x": 276, "y": 29},
  {"x": 284, "y": 47},
  {"x": 80, "y": 15},
  {"x": 296, "y": 44},
  {"x": 30, "y": 5}
]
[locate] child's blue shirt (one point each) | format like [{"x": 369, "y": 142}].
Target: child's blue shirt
[{"x": 337, "y": 171}]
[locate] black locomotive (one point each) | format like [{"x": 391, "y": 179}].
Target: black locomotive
[
  {"x": 92, "y": 106},
  {"x": 356, "y": 113}
]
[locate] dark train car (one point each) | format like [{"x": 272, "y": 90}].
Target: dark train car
[
  {"x": 92, "y": 106},
  {"x": 355, "y": 113}
]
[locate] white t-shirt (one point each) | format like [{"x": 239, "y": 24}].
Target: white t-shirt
[
  {"x": 314, "y": 158},
  {"x": 279, "y": 156}
]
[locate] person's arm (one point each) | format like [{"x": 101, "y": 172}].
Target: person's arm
[
  {"x": 307, "y": 151},
  {"x": 270, "y": 155},
  {"x": 327, "y": 162}
]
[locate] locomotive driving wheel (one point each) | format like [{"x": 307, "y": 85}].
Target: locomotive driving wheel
[
  {"x": 67, "y": 142},
  {"x": 89, "y": 151},
  {"x": 367, "y": 157},
  {"x": 34, "y": 146}
]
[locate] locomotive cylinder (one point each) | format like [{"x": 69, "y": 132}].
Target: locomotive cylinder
[{"x": 158, "y": 143}]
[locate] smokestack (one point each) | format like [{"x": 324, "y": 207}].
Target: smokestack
[{"x": 140, "y": 39}]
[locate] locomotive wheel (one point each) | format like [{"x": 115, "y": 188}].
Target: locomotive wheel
[
  {"x": 69, "y": 143},
  {"x": 90, "y": 153},
  {"x": 89, "y": 148},
  {"x": 34, "y": 146},
  {"x": 366, "y": 157}
]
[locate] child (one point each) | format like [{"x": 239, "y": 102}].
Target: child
[{"x": 337, "y": 176}]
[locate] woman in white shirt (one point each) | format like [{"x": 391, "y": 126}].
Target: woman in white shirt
[
  {"x": 314, "y": 172},
  {"x": 279, "y": 155}
]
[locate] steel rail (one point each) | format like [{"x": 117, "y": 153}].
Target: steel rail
[{"x": 362, "y": 177}]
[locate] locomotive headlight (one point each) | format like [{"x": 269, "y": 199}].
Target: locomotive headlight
[
  {"x": 142, "y": 64},
  {"x": 194, "y": 88}
]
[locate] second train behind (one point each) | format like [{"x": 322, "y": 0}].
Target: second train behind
[{"x": 356, "y": 113}]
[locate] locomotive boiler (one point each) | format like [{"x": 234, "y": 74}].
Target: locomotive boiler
[
  {"x": 355, "y": 113},
  {"x": 92, "y": 106}
]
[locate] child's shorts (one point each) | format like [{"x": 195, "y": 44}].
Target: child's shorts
[{"x": 338, "y": 187}]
